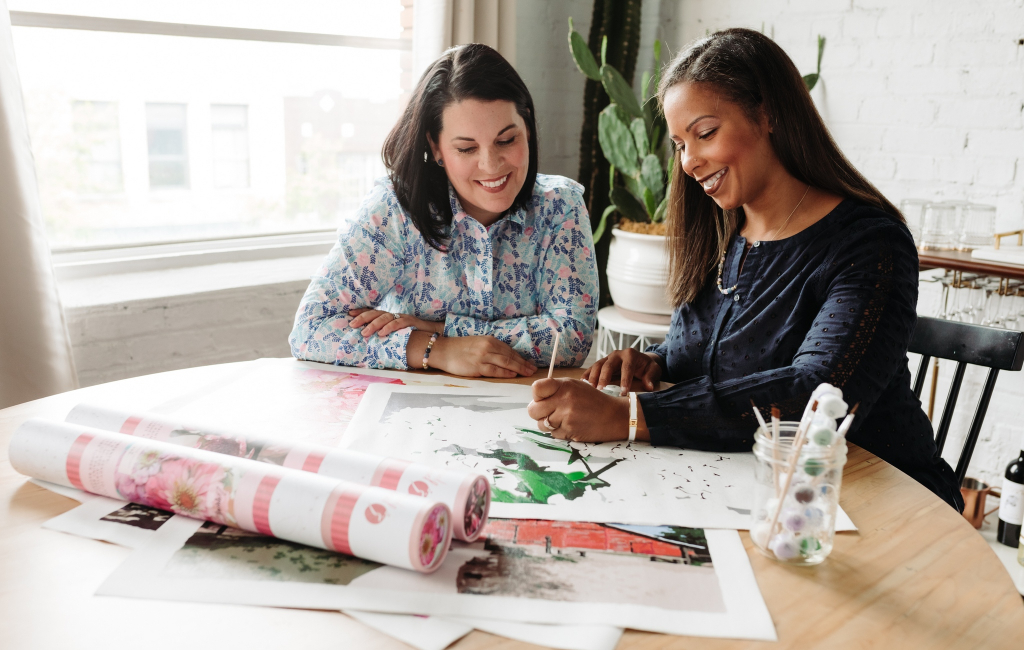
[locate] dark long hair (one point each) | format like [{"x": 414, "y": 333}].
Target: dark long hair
[
  {"x": 472, "y": 71},
  {"x": 749, "y": 69}
]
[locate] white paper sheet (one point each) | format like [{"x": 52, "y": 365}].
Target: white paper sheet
[
  {"x": 624, "y": 589},
  {"x": 304, "y": 401},
  {"x": 69, "y": 492},
  {"x": 536, "y": 476},
  {"x": 421, "y": 632}
]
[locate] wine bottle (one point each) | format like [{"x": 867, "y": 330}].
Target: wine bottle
[{"x": 1011, "y": 503}]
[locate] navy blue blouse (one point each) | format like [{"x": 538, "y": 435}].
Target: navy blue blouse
[{"x": 834, "y": 303}]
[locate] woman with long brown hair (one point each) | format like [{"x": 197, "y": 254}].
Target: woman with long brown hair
[{"x": 788, "y": 269}]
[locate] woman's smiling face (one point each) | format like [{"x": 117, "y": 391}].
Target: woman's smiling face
[
  {"x": 486, "y": 153},
  {"x": 719, "y": 146}
]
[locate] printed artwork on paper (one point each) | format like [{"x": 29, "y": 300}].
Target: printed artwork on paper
[
  {"x": 658, "y": 578},
  {"x": 535, "y": 475}
]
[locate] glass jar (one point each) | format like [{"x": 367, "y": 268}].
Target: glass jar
[
  {"x": 805, "y": 517},
  {"x": 940, "y": 227},
  {"x": 913, "y": 212},
  {"x": 978, "y": 227}
]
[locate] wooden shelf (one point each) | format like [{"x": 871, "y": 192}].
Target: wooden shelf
[{"x": 962, "y": 261}]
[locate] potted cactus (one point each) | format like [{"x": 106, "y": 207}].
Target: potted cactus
[{"x": 631, "y": 133}]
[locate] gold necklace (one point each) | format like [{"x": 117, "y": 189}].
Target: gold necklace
[{"x": 775, "y": 236}]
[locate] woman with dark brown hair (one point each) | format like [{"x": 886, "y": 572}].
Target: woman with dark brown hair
[
  {"x": 788, "y": 269},
  {"x": 465, "y": 259}
]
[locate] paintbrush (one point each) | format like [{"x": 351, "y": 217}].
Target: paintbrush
[
  {"x": 798, "y": 443},
  {"x": 776, "y": 420},
  {"x": 847, "y": 422},
  {"x": 554, "y": 353},
  {"x": 760, "y": 420}
]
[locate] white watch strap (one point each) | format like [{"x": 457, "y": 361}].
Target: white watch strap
[{"x": 632, "y": 417}]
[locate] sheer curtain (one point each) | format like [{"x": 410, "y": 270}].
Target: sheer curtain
[
  {"x": 35, "y": 351},
  {"x": 440, "y": 24}
]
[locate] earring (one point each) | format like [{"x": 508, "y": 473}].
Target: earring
[
  {"x": 424, "y": 156},
  {"x": 440, "y": 162}
]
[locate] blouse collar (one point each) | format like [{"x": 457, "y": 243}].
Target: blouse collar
[{"x": 517, "y": 216}]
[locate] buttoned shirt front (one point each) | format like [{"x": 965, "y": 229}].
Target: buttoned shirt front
[{"x": 519, "y": 279}]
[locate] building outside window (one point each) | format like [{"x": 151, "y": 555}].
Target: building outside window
[
  {"x": 139, "y": 132},
  {"x": 167, "y": 145},
  {"x": 230, "y": 124}
]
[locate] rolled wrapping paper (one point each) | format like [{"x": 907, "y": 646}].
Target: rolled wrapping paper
[
  {"x": 467, "y": 494},
  {"x": 367, "y": 522}
]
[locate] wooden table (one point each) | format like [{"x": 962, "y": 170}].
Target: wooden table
[{"x": 915, "y": 576}]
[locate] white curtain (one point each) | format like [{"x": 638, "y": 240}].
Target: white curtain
[
  {"x": 35, "y": 351},
  {"x": 440, "y": 24}
]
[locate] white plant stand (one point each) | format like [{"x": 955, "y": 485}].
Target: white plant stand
[{"x": 616, "y": 332}]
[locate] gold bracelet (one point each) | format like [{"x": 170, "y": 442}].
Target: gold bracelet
[{"x": 632, "y": 417}]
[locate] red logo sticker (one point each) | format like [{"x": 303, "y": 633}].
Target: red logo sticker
[
  {"x": 375, "y": 513},
  {"x": 419, "y": 488}
]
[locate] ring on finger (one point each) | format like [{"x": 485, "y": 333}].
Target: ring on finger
[
  {"x": 550, "y": 426},
  {"x": 396, "y": 315}
]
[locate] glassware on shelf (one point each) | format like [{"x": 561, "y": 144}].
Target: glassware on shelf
[
  {"x": 913, "y": 212},
  {"x": 939, "y": 227},
  {"x": 978, "y": 226}
]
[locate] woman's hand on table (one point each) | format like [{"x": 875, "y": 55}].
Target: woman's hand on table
[
  {"x": 624, "y": 366},
  {"x": 384, "y": 323},
  {"x": 479, "y": 356},
  {"x": 572, "y": 409}
]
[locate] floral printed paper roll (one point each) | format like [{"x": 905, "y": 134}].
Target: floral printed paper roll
[
  {"x": 368, "y": 522},
  {"x": 467, "y": 494}
]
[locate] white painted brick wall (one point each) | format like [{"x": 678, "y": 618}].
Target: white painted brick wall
[{"x": 926, "y": 98}]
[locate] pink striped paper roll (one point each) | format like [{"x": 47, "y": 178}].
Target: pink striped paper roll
[
  {"x": 369, "y": 522},
  {"x": 467, "y": 494}
]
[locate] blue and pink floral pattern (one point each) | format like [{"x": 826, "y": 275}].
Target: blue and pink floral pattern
[{"x": 529, "y": 272}]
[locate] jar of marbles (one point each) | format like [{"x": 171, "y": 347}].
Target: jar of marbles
[{"x": 794, "y": 512}]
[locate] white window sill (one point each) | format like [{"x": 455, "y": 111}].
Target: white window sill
[
  {"x": 120, "y": 288},
  {"x": 75, "y": 264}
]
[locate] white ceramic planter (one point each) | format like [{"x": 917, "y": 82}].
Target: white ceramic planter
[{"x": 638, "y": 274}]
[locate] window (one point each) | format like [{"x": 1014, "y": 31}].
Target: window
[
  {"x": 230, "y": 145},
  {"x": 96, "y": 143},
  {"x": 142, "y": 134},
  {"x": 168, "y": 146}
]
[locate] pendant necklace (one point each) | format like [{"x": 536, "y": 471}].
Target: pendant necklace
[{"x": 775, "y": 235}]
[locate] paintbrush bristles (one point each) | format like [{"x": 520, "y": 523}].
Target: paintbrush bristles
[
  {"x": 847, "y": 422},
  {"x": 760, "y": 420}
]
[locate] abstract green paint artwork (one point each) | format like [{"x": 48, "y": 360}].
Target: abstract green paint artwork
[{"x": 537, "y": 483}]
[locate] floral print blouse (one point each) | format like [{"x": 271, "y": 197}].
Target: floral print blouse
[{"x": 529, "y": 272}]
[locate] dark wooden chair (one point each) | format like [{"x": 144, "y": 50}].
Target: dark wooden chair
[{"x": 974, "y": 345}]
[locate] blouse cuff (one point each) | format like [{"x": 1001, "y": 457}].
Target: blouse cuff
[{"x": 389, "y": 353}]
